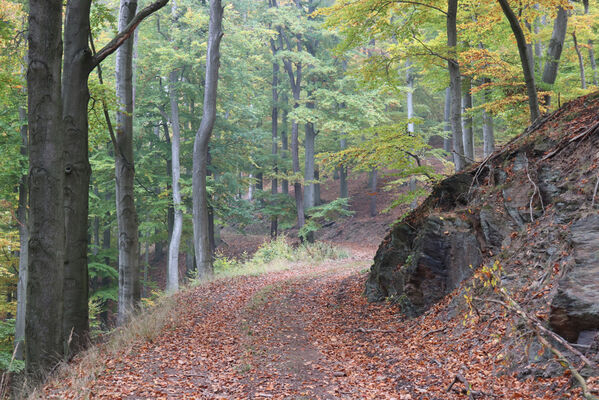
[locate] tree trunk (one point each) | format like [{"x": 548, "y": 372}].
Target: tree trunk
[
  {"x": 467, "y": 127},
  {"x": 309, "y": 199},
  {"x": 170, "y": 212},
  {"x": 448, "y": 140},
  {"x": 343, "y": 192},
  {"x": 591, "y": 49},
  {"x": 23, "y": 253},
  {"x": 75, "y": 96},
  {"x": 410, "y": 106},
  {"x": 554, "y": 50},
  {"x": 583, "y": 81},
  {"x": 172, "y": 281},
  {"x": 529, "y": 77},
  {"x": 129, "y": 282},
  {"x": 455, "y": 86},
  {"x": 317, "y": 199},
  {"x": 488, "y": 130},
  {"x": 284, "y": 144},
  {"x": 274, "y": 126},
  {"x": 200, "y": 148},
  {"x": 44, "y": 344},
  {"x": 372, "y": 178}
]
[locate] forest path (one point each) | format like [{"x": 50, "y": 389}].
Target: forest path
[
  {"x": 252, "y": 337},
  {"x": 308, "y": 333}
]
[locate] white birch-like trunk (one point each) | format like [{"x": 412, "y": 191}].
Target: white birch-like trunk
[{"x": 172, "y": 281}]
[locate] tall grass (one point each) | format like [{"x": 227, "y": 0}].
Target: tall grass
[{"x": 277, "y": 255}]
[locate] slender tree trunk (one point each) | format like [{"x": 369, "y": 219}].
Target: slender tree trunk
[
  {"x": 297, "y": 186},
  {"x": 591, "y": 47},
  {"x": 170, "y": 212},
  {"x": 529, "y": 77},
  {"x": 172, "y": 282},
  {"x": 343, "y": 192},
  {"x": 75, "y": 96},
  {"x": 275, "y": 126},
  {"x": 372, "y": 182},
  {"x": 410, "y": 106},
  {"x": 44, "y": 344},
  {"x": 284, "y": 143},
  {"x": 467, "y": 127},
  {"x": 583, "y": 81},
  {"x": 129, "y": 282},
  {"x": 488, "y": 130},
  {"x": 295, "y": 82},
  {"x": 200, "y": 148},
  {"x": 455, "y": 86},
  {"x": 448, "y": 140},
  {"x": 554, "y": 50},
  {"x": 317, "y": 199},
  {"x": 23, "y": 253},
  {"x": 309, "y": 200}
]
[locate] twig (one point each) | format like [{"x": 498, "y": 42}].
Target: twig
[
  {"x": 532, "y": 197},
  {"x": 375, "y": 330},
  {"x": 535, "y": 324},
  {"x": 595, "y": 192},
  {"x": 460, "y": 378},
  {"x": 434, "y": 331},
  {"x": 563, "y": 144},
  {"x": 581, "y": 381}
]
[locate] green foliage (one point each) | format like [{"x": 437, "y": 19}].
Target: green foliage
[
  {"x": 7, "y": 336},
  {"x": 320, "y": 215}
]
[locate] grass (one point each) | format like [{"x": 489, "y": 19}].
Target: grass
[
  {"x": 145, "y": 326},
  {"x": 277, "y": 255}
]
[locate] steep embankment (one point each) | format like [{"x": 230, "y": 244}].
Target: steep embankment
[{"x": 532, "y": 207}]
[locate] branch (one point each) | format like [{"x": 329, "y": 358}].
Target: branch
[{"x": 121, "y": 37}]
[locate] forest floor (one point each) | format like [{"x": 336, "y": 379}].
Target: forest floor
[{"x": 307, "y": 333}]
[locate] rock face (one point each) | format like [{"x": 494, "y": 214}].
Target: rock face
[
  {"x": 419, "y": 263},
  {"x": 575, "y": 308},
  {"x": 533, "y": 207},
  {"x": 432, "y": 261}
]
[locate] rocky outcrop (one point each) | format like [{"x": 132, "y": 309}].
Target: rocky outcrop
[
  {"x": 533, "y": 207},
  {"x": 575, "y": 308}
]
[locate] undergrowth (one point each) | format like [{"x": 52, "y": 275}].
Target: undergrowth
[{"x": 276, "y": 255}]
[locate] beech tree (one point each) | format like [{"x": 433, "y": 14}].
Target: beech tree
[{"x": 203, "y": 250}]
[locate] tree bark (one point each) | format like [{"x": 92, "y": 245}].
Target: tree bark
[
  {"x": 467, "y": 127},
  {"x": 200, "y": 148},
  {"x": 23, "y": 253},
  {"x": 44, "y": 344},
  {"x": 295, "y": 80},
  {"x": 455, "y": 86},
  {"x": 529, "y": 77},
  {"x": 274, "y": 129},
  {"x": 343, "y": 192},
  {"x": 591, "y": 48},
  {"x": 284, "y": 143},
  {"x": 172, "y": 282},
  {"x": 488, "y": 130},
  {"x": 554, "y": 50},
  {"x": 583, "y": 81},
  {"x": 78, "y": 63},
  {"x": 447, "y": 141},
  {"x": 372, "y": 183},
  {"x": 309, "y": 151},
  {"x": 129, "y": 282}
]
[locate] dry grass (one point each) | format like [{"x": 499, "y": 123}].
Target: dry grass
[{"x": 79, "y": 374}]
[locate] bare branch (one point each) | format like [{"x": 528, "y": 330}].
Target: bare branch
[{"x": 121, "y": 37}]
